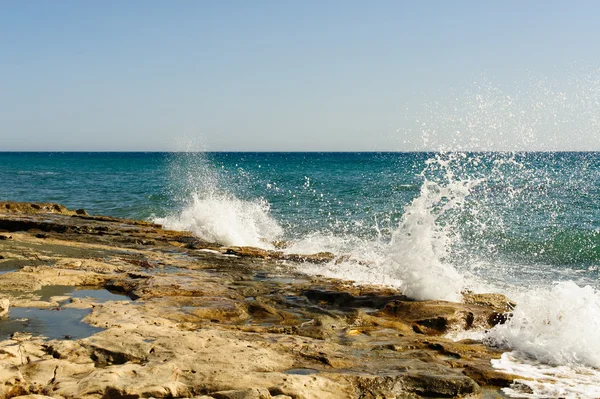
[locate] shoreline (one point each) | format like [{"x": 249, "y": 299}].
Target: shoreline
[{"x": 188, "y": 318}]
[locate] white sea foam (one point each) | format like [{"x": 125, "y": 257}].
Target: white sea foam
[
  {"x": 419, "y": 246},
  {"x": 227, "y": 220},
  {"x": 545, "y": 381},
  {"x": 212, "y": 211},
  {"x": 414, "y": 259},
  {"x": 557, "y": 325}
]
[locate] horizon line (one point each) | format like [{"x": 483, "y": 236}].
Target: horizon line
[{"x": 284, "y": 151}]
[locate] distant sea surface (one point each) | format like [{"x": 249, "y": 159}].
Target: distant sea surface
[
  {"x": 431, "y": 224},
  {"x": 534, "y": 208}
]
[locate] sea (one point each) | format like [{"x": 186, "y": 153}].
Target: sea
[{"x": 432, "y": 224}]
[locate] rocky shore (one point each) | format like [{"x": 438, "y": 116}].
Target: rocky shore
[{"x": 99, "y": 307}]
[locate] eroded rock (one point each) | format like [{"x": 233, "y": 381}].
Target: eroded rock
[
  {"x": 4, "y": 305},
  {"x": 207, "y": 324}
]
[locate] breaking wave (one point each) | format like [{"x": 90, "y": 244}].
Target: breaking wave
[{"x": 209, "y": 208}]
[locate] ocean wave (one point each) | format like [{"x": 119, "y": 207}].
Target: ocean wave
[
  {"x": 556, "y": 325},
  {"x": 207, "y": 206},
  {"x": 227, "y": 220},
  {"x": 414, "y": 259}
]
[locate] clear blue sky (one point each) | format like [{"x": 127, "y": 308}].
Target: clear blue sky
[{"x": 289, "y": 75}]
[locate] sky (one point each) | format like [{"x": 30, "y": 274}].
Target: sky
[{"x": 280, "y": 75}]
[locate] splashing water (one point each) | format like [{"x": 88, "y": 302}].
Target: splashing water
[
  {"x": 210, "y": 209},
  {"x": 225, "y": 219},
  {"x": 557, "y": 325},
  {"x": 553, "y": 330},
  {"x": 419, "y": 246},
  {"x": 553, "y": 333},
  {"x": 415, "y": 257}
]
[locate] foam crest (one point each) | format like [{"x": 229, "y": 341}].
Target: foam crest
[
  {"x": 227, "y": 220},
  {"x": 557, "y": 325},
  {"x": 209, "y": 208},
  {"x": 414, "y": 259},
  {"x": 421, "y": 243}
]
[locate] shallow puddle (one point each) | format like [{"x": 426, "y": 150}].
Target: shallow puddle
[
  {"x": 6, "y": 269},
  {"x": 52, "y": 324},
  {"x": 301, "y": 371},
  {"x": 97, "y": 294},
  {"x": 277, "y": 278},
  {"x": 49, "y": 291},
  {"x": 57, "y": 323},
  {"x": 100, "y": 295},
  {"x": 12, "y": 265}
]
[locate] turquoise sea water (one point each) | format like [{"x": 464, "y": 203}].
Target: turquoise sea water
[
  {"x": 525, "y": 208},
  {"x": 431, "y": 224}
]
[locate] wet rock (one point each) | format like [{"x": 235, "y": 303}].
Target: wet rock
[
  {"x": 437, "y": 317},
  {"x": 320, "y": 257},
  {"x": 347, "y": 300},
  {"x": 33, "y": 208},
  {"x": 259, "y": 308},
  {"x": 498, "y": 302},
  {"x": 448, "y": 385},
  {"x": 246, "y": 251},
  {"x": 422, "y": 384},
  {"x": 485, "y": 374},
  {"x": 252, "y": 393}
]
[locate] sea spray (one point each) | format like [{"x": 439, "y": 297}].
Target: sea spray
[
  {"x": 557, "y": 325},
  {"x": 418, "y": 252},
  {"x": 553, "y": 335},
  {"x": 414, "y": 258},
  {"x": 209, "y": 208},
  {"x": 225, "y": 219},
  {"x": 553, "y": 330}
]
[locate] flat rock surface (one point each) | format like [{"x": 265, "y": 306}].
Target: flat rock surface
[{"x": 125, "y": 309}]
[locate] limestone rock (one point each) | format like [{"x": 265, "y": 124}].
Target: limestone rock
[
  {"x": 498, "y": 302},
  {"x": 320, "y": 257},
  {"x": 438, "y": 317},
  {"x": 4, "y": 304},
  {"x": 34, "y": 396},
  {"x": 252, "y": 393},
  {"x": 246, "y": 251},
  {"x": 201, "y": 322},
  {"x": 420, "y": 384},
  {"x": 33, "y": 208}
]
